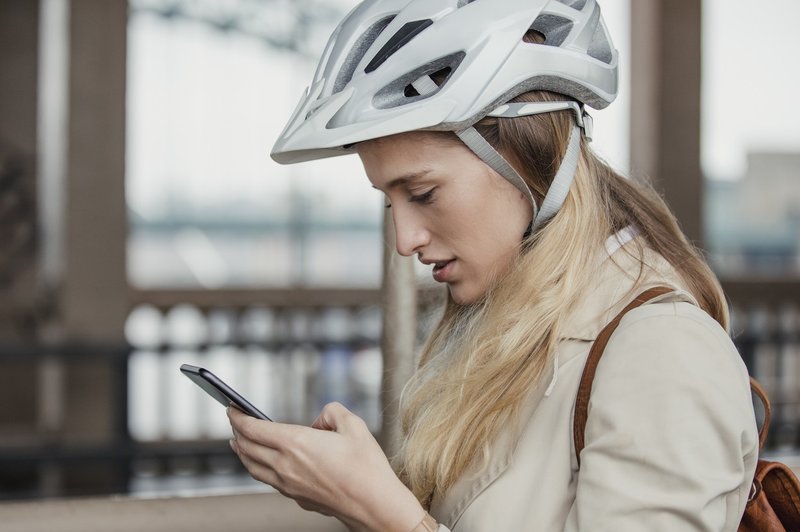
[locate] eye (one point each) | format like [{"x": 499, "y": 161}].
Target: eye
[{"x": 424, "y": 198}]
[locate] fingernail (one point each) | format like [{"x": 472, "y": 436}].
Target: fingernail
[{"x": 233, "y": 445}]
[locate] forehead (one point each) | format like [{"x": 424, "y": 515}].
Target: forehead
[
  {"x": 390, "y": 160},
  {"x": 411, "y": 139}
]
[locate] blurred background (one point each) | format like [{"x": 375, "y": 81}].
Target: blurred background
[{"x": 143, "y": 224}]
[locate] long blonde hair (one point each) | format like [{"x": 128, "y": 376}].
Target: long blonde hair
[{"x": 481, "y": 361}]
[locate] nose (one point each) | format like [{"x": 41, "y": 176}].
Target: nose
[{"x": 410, "y": 233}]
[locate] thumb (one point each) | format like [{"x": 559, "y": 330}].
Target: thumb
[{"x": 333, "y": 417}]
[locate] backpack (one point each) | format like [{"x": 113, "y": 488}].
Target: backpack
[{"x": 774, "y": 501}]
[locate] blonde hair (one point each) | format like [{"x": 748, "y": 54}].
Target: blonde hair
[{"x": 481, "y": 361}]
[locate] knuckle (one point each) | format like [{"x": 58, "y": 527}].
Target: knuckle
[
  {"x": 310, "y": 506},
  {"x": 339, "y": 412},
  {"x": 360, "y": 421},
  {"x": 242, "y": 426},
  {"x": 334, "y": 407},
  {"x": 250, "y": 429},
  {"x": 304, "y": 504},
  {"x": 259, "y": 476},
  {"x": 243, "y": 447},
  {"x": 280, "y": 489}
]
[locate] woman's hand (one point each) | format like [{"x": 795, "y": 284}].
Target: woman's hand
[{"x": 335, "y": 467}]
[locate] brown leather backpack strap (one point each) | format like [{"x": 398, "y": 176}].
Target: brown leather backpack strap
[
  {"x": 585, "y": 388},
  {"x": 762, "y": 395}
]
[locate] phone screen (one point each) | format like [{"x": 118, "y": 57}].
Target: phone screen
[{"x": 216, "y": 388}]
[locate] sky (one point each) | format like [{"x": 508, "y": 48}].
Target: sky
[{"x": 751, "y": 73}]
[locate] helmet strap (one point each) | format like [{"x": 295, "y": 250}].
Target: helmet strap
[
  {"x": 559, "y": 188},
  {"x": 486, "y": 152}
]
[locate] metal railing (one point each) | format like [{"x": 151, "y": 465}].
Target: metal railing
[{"x": 290, "y": 353}]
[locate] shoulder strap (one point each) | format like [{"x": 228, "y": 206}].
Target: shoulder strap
[
  {"x": 585, "y": 388},
  {"x": 762, "y": 395}
]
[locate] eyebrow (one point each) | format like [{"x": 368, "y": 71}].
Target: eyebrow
[{"x": 405, "y": 178}]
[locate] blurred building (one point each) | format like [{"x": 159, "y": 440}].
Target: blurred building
[{"x": 754, "y": 223}]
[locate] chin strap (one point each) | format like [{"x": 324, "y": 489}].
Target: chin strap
[
  {"x": 559, "y": 188},
  {"x": 497, "y": 162}
]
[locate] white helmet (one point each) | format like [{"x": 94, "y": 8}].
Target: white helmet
[{"x": 374, "y": 78}]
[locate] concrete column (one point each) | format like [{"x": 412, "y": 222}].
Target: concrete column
[
  {"x": 19, "y": 50},
  {"x": 398, "y": 342},
  {"x": 93, "y": 291},
  {"x": 665, "y": 104}
]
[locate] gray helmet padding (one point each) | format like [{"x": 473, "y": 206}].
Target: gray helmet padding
[
  {"x": 357, "y": 53},
  {"x": 393, "y": 94},
  {"x": 554, "y": 28},
  {"x": 543, "y": 83}
]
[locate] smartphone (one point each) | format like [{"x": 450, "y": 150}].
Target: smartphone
[{"x": 216, "y": 388}]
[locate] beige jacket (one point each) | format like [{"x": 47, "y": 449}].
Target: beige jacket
[{"x": 671, "y": 439}]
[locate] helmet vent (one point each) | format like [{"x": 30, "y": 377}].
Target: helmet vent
[
  {"x": 574, "y": 4},
  {"x": 600, "y": 48},
  {"x": 358, "y": 51},
  {"x": 439, "y": 77},
  {"x": 398, "y": 40},
  {"x": 554, "y": 28},
  {"x": 401, "y": 92}
]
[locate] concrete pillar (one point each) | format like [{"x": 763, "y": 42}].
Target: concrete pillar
[
  {"x": 398, "y": 342},
  {"x": 665, "y": 104},
  {"x": 19, "y": 50},
  {"x": 93, "y": 302},
  {"x": 62, "y": 119}
]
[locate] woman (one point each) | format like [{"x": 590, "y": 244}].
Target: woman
[{"x": 469, "y": 117}]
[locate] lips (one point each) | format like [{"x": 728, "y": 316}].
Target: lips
[{"x": 442, "y": 270}]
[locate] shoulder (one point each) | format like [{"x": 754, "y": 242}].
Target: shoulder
[
  {"x": 671, "y": 432},
  {"x": 678, "y": 337},
  {"x": 672, "y": 356}
]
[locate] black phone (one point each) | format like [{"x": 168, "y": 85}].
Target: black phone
[{"x": 216, "y": 388}]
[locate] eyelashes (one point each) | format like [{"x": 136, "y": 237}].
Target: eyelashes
[{"x": 426, "y": 198}]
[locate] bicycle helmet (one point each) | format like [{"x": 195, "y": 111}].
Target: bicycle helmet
[{"x": 376, "y": 77}]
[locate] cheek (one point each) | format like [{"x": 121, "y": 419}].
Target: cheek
[
  {"x": 496, "y": 232},
  {"x": 500, "y": 208},
  {"x": 497, "y": 224}
]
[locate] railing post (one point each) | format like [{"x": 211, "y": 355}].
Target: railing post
[{"x": 398, "y": 339}]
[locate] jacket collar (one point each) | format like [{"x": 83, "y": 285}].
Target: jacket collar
[{"x": 621, "y": 278}]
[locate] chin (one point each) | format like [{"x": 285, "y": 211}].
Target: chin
[{"x": 462, "y": 296}]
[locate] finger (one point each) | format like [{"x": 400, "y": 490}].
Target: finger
[
  {"x": 267, "y": 475},
  {"x": 336, "y": 417},
  {"x": 246, "y": 448},
  {"x": 261, "y": 472},
  {"x": 268, "y": 433},
  {"x": 331, "y": 417},
  {"x": 312, "y": 506}
]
